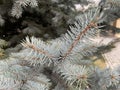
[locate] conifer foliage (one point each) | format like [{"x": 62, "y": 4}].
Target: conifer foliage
[{"x": 67, "y": 62}]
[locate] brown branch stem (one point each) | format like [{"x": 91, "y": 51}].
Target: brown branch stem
[
  {"x": 29, "y": 45},
  {"x": 75, "y": 42}
]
